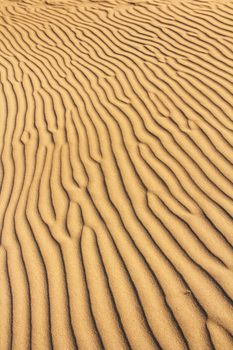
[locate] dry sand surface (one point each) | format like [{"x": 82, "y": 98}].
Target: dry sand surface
[{"x": 116, "y": 175}]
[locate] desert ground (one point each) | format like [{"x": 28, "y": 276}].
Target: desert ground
[{"x": 116, "y": 134}]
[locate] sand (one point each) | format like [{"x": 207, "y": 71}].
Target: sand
[{"x": 116, "y": 175}]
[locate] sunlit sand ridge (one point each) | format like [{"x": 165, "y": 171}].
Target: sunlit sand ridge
[{"x": 116, "y": 175}]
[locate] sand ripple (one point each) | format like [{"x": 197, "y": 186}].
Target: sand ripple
[{"x": 116, "y": 175}]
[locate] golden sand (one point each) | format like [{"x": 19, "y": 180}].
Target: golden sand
[{"x": 116, "y": 175}]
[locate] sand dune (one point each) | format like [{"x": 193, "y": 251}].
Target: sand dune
[{"x": 116, "y": 175}]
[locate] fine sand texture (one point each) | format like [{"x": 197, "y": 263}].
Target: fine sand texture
[{"x": 116, "y": 208}]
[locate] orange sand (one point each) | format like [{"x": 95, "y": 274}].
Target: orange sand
[{"x": 116, "y": 175}]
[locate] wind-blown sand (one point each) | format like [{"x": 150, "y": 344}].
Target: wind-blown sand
[{"x": 116, "y": 175}]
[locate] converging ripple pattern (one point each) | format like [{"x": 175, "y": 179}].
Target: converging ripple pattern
[{"x": 116, "y": 137}]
